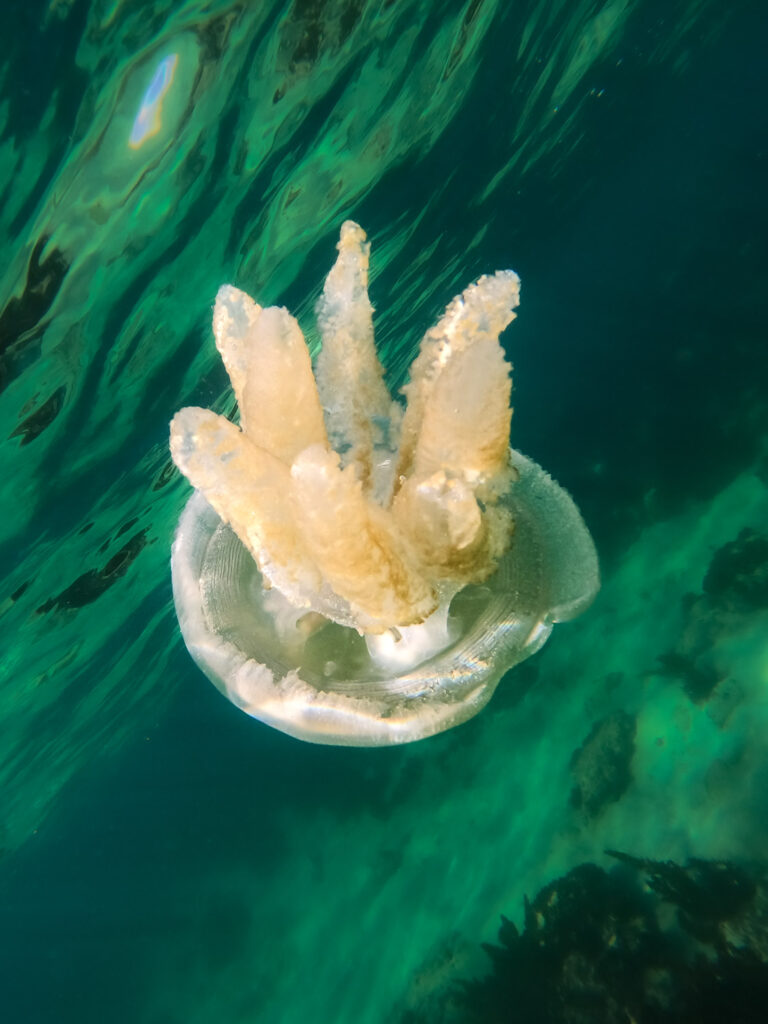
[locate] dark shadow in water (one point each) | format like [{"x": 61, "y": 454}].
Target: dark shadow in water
[{"x": 112, "y": 878}]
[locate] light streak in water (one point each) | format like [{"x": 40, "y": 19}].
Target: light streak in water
[{"x": 148, "y": 120}]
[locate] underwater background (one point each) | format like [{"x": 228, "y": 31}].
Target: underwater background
[{"x": 166, "y": 859}]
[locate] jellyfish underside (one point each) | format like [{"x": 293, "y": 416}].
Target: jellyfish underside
[{"x": 352, "y": 572}]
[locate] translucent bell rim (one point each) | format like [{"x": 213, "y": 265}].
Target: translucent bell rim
[{"x": 550, "y": 574}]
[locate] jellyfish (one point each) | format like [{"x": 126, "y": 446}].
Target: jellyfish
[{"x": 356, "y": 570}]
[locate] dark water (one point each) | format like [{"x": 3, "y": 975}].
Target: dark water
[{"x": 168, "y": 859}]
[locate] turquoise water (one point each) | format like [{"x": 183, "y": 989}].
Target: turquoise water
[{"x": 167, "y": 859}]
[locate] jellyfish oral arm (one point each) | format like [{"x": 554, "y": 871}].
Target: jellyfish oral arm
[
  {"x": 375, "y": 534},
  {"x": 398, "y": 650}
]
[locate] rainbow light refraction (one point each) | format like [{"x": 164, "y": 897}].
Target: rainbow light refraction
[{"x": 148, "y": 119}]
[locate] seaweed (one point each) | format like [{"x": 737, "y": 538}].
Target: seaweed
[{"x": 648, "y": 941}]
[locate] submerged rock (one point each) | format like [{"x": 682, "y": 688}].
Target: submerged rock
[
  {"x": 738, "y": 572},
  {"x": 601, "y": 765},
  {"x": 734, "y": 590}
]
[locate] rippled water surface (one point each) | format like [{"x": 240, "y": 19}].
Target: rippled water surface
[{"x": 167, "y": 859}]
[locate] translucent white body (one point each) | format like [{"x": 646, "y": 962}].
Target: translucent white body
[{"x": 317, "y": 680}]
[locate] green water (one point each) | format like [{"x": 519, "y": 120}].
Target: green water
[{"x": 168, "y": 859}]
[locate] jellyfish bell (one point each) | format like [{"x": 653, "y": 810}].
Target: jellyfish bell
[
  {"x": 322, "y": 681},
  {"x": 352, "y": 573}
]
